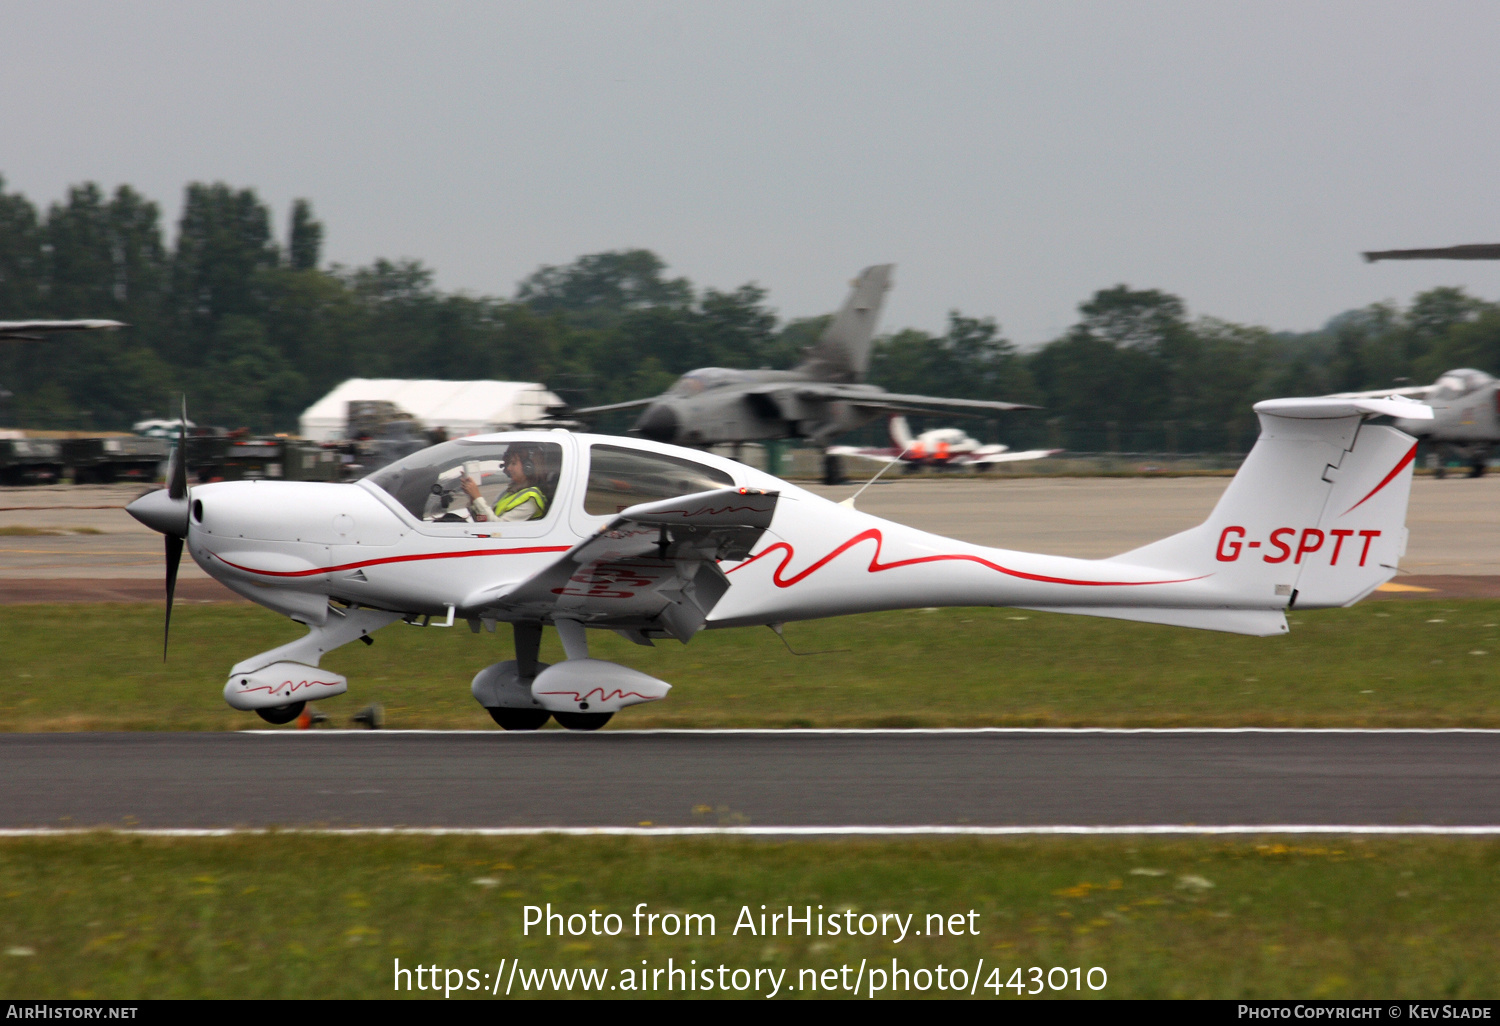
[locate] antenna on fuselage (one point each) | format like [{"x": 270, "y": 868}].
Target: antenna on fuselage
[
  {"x": 850, "y": 501},
  {"x": 776, "y": 629}
]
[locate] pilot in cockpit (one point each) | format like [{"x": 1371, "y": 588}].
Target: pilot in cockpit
[{"x": 524, "y": 499}]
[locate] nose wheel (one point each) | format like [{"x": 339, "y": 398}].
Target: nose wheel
[{"x": 279, "y": 714}]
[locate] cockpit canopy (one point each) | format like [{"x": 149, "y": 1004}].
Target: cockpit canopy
[
  {"x": 1460, "y": 382},
  {"x": 704, "y": 378},
  {"x": 430, "y": 483}
]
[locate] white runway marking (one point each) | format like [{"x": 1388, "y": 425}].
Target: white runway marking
[
  {"x": 898, "y": 731},
  {"x": 1180, "y": 830}
]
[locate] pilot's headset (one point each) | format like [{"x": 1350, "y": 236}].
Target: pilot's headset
[{"x": 528, "y": 456}]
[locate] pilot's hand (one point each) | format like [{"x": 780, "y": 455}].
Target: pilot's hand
[{"x": 470, "y": 488}]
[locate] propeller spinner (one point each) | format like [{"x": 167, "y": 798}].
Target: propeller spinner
[{"x": 166, "y": 510}]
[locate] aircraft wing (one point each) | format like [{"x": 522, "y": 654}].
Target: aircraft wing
[
  {"x": 653, "y": 567},
  {"x": 36, "y": 331},
  {"x": 633, "y": 404},
  {"x": 893, "y": 398},
  {"x": 1011, "y": 457},
  {"x": 871, "y": 398}
]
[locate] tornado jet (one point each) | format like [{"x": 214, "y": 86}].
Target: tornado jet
[{"x": 821, "y": 398}]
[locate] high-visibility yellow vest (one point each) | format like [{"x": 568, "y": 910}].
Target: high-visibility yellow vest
[{"x": 510, "y": 500}]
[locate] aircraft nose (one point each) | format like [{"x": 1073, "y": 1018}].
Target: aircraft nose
[
  {"x": 160, "y": 512},
  {"x": 658, "y": 423}
]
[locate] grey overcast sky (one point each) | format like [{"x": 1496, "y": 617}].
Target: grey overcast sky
[{"x": 1010, "y": 158}]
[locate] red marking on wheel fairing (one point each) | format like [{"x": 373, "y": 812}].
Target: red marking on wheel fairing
[
  {"x": 1405, "y": 462},
  {"x": 602, "y": 696},
  {"x": 876, "y": 566},
  {"x": 390, "y": 559},
  {"x": 284, "y": 684}
]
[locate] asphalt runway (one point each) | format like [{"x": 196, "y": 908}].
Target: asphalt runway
[{"x": 796, "y": 779}]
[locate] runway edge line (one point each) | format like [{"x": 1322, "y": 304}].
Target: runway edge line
[{"x": 772, "y": 831}]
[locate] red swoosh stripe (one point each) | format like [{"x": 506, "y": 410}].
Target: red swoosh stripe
[
  {"x": 603, "y": 696},
  {"x": 876, "y": 566},
  {"x": 394, "y": 559},
  {"x": 1405, "y": 462},
  {"x": 294, "y": 686}
]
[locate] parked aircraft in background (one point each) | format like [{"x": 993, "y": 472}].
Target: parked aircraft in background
[
  {"x": 1466, "y": 401},
  {"x": 654, "y": 542},
  {"x": 36, "y": 331},
  {"x": 1466, "y": 416},
  {"x": 820, "y": 399},
  {"x": 941, "y": 448}
]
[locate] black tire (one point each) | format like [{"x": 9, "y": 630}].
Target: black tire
[
  {"x": 1478, "y": 469},
  {"x": 279, "y": 714},
  {"x": 581, "y": 720},
  {"x": 519, "y": 719}
]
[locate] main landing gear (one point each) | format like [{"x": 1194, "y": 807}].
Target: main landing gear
[
  {"x": 279, "y": 714},
  {"x": 520, "y": 719},
  {"x": 580, "y": 693},
  {"x": 581, "y": 720}
]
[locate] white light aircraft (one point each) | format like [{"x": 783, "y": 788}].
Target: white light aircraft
[
  {"x": 939, "y": 447},
  {"x": 654, "y": 541}
]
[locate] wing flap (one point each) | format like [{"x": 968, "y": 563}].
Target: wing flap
[{"x": 654, "y": 566}]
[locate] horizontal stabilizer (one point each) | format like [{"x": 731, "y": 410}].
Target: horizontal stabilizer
[{"x": 1333, "y": 407}]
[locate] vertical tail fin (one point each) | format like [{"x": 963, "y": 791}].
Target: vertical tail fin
[
  {"x": 901, "y": 432},
  {"x": 843, "y": 353},
  {"x": 1316, "y": 516}
]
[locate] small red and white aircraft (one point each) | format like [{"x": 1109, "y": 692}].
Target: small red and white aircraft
[
  {"x": 941, "y": 448},
  {"x": 654, "y": 541}
]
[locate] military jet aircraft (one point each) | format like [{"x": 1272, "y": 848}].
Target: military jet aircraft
[
  {"x": 1466, "y": 401},
  {"x": 942, "y": 448},
  {"x": 1466, "y": 416},
  {"x": 588, "y": 532},
  {"x": 820, "y": 399},
  {"x": 36, "y": 331}
]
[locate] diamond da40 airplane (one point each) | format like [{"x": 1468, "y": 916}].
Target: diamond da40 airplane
[{"x": 653, "y": 541}]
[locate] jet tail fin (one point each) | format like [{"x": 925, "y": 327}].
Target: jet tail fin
[
  {"x": 843, "y": 352},
  {"x": 1316, "y": 516}
]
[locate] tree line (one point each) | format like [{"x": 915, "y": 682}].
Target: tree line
[{"x": 254, "y": 327}]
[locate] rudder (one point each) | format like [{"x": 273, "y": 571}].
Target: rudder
[{"x": 1314, "y": 518}]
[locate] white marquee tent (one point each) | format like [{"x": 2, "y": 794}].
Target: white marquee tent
[{"x": 461, "y": 407}]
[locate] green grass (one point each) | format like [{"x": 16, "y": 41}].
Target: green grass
[
  {"x": 98, "y": 667},
  {"x": 300, "y": 916}
]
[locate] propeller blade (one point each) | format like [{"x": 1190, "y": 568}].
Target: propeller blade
[
  {"x": 174, "y": 557},
  {"x": 177, "y": 487}
]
